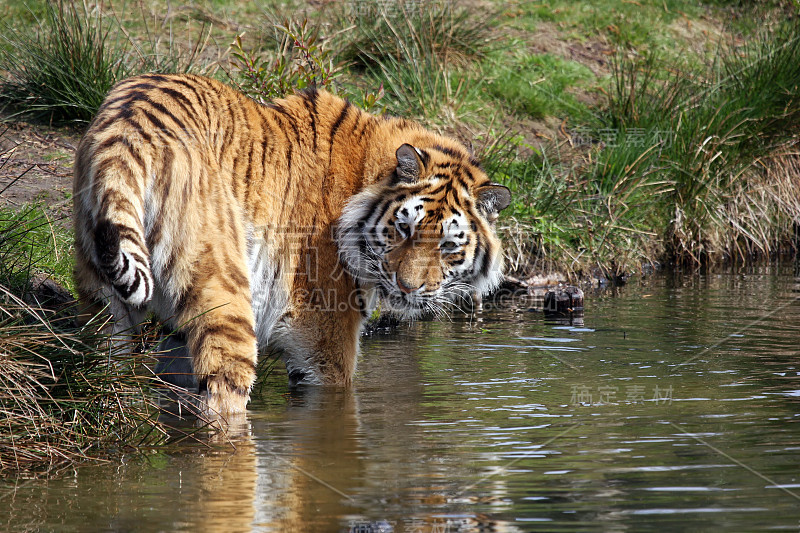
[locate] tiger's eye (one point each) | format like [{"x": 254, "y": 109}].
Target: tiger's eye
[
  {"x": 404, "y": 228},
  {"x": 449, "y": 246}
]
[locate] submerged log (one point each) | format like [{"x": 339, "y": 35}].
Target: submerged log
[{"x": 563, "y": 302}]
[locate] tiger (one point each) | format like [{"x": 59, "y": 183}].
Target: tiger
[{"x": 246, "y": 228}]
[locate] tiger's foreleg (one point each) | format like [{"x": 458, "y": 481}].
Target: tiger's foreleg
[{"x": 219, "y": 328}]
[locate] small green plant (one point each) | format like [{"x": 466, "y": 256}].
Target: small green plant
[
  {"x": 300, "y": 62},
  {"x": 537, "y": 85}
]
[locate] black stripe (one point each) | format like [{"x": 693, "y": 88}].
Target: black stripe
[
  {"x": 129, "y": 97},
  {"x": 137, "y": 278},
  {"x": 137, "y": 258},
  {"x": 337, "y": 123},
  {"x": 484, "y": 266},
  {"x": 147, "y": 291},
  {"x": 158, "y": 77},
  {"x": 186, "y": 105},
  {"x": 359, "y": 120},
  {"x": 122, "y": 290},
  {"x": 311, "y": 97},
  {"x": 264, "y": 146},
  {"x": 142, "y": 86},
  {"x": 448, "y": 151},
  {"x": 220, "y": 330},
  {"x": 127, "y": 233},
  {"x": 289, "y": 160},
  {"x": 443, "y": 188},
  {"x": 139, "y": 130},
  {"x": 201, "y": 95},
  {"x": 119, "y": 139},
  {"x": 164, "y": 111},
  {"x": 120, "y": 267},
  {"x": 229, "y": 133},
  {"x": 249, "y": 172},
  {"x": 381, "y": 211},
  {"x": 285, "y": 196},
  {"x": 289, "y": 118},
  {"x": 157, "y": 123}
]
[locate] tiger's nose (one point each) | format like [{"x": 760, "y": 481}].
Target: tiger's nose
[{"x": 404, "y": 286}]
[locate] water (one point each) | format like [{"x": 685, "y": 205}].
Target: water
[{"x": 674, "y": 407}]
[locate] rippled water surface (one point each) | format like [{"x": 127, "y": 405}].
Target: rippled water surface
[{"x": 675, "y": 406}]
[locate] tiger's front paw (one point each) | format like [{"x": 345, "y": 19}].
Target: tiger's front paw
[{"x": 228, "y": 390}]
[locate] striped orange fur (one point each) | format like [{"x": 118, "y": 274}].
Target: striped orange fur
[{"x": 246, "y": 226}]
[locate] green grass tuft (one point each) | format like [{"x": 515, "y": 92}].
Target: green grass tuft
[
  {"x": 65, "y": 70},
  {"x": 60, "y": 68},
  {"x": 62, "y": 399},
  {"x": 381, "y": 33},
  {"x": 31, "y": 241}
]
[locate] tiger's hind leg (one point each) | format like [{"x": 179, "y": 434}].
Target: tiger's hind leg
[
  {"x": 98, "y": 303},
  {"x": 219, "y": 326}
]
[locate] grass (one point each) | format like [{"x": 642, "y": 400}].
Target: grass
[
  {"x": 642, "y": 25},
  {"x": 376, "y": 32},
  {"x": 537, "y": 86},
  {"x": 63, "y": 72},
  {"x": 61, "y": 400},
  {"x": 723, "y": 131},
  {"x": 30, "y": 241},
  {"x": 422, "y": 54},
  {"x": 688, "y": 170}
]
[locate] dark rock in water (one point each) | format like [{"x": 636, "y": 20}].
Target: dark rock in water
[
  {"x": 566, "y": 301},
  {"x": 384, "y": 322}
]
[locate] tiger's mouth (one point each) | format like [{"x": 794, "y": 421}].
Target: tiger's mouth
[{"x": 411, "y": 304}]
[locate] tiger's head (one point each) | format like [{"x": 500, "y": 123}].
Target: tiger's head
[{"x": 423, "y": 234}]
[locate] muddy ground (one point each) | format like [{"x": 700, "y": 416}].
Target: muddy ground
[{"x": 36, "y": 166}]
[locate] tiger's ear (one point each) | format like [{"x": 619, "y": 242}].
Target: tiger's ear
[
  {"x": 492, "y": 198},
  {"x": 408, "y": 164}
]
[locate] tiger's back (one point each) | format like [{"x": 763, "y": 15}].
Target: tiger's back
[{"x": 244, "y": 225}]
